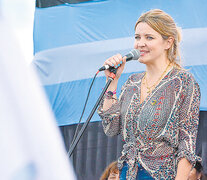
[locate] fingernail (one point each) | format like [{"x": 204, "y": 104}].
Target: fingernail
[
  {"x": 112, "y": 64},
  {"x": 116, "y": 66},
  {"x": 121, "y": 62}
]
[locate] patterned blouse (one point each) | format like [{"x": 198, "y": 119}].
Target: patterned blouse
[{"x": 159, "y": 131}]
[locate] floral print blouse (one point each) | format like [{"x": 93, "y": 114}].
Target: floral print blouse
[{"x": 159, "y": 131}]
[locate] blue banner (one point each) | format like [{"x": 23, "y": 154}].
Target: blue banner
[{"x": 72, "y": 41}]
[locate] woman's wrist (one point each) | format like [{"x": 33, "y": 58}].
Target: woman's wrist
[
  {"x": 110, "y": 95},
  {"x": 113, "y": 86}
]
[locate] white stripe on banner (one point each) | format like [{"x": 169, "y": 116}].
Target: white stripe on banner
[{"x": 81, "y": 61}]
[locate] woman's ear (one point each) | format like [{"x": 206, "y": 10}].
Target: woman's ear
[{"x": 169, "y": 42}]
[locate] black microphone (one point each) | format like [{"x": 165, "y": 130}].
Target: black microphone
[{"x": 132, "y": 55}]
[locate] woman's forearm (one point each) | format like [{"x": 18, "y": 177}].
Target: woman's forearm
[
  {"x": 108, "y": 102},
  {"x": 183, "y": 170}
]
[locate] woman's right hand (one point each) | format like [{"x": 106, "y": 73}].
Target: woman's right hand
[{"x": 116, "y": 61}]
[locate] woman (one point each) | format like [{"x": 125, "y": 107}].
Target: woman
[{"x": 157, "y": 111}]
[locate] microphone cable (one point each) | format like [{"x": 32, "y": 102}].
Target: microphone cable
[
  {"x": 132, "y": 55},
  {"x": 86, "y": 101}
]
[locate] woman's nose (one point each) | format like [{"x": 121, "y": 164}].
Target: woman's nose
[{"x": 140, "y": 43}]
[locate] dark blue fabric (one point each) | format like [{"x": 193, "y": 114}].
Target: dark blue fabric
[{"x": 142, "y": 173}]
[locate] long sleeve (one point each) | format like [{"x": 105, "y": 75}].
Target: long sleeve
[
  {"x": 111, "y": 118},
  {"x": 189, "y": 119}
]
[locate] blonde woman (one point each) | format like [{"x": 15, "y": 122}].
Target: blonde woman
[{"x": 157, "y": 111}]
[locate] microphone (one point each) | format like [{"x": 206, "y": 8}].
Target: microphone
[{"x": 132, "y": 55}]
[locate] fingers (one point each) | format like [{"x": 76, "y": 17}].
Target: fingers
[{"x": 115, "y": 61}]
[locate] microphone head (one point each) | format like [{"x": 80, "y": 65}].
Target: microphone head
[{"x": 135, "y": 54}]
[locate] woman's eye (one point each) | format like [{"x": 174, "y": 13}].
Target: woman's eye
[
  {"x": 150, "y": 38},
  {"x": 137, "y": 37}
]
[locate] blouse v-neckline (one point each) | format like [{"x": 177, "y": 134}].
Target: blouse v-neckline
[{"x": 156, "y": 87}]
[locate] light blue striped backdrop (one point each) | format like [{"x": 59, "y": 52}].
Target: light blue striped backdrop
[{"x": 71, "y": 42}]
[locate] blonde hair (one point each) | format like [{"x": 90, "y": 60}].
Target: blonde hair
[
  {"x": 111, "y": 168},
  {"x": 164, "y": 25}
]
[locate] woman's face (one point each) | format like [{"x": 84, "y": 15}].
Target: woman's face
[{"x": 150, "y": 43}]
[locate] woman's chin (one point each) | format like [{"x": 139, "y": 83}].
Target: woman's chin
[{"x": 141, "y": 60}]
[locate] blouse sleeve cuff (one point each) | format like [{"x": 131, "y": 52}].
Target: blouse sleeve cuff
[{"x": 191, "y": 157}]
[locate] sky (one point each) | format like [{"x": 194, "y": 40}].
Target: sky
[{"x": 20, "y": 16}]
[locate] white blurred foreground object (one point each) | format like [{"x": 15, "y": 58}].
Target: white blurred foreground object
[{"x": 31, "y": 147}]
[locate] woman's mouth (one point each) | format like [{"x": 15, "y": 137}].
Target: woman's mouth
[{"x": 143, "y": 52}]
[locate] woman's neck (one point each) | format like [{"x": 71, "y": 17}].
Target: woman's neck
[{"x": 155, "y": 70}]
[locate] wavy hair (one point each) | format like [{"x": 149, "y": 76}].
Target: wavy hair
[{"x": 164, "y": 24}]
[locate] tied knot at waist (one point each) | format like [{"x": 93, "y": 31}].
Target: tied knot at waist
[
  {"x": 132, "y": 151},
  {"x": 130, "y": 154}
]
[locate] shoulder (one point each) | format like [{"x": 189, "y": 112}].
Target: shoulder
[
  {"x": 185, "y": 76},
  {"x": 187, "y": 79},
  {"x": 136, "y": 77},
  {"x": 133, "y": 79}
]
